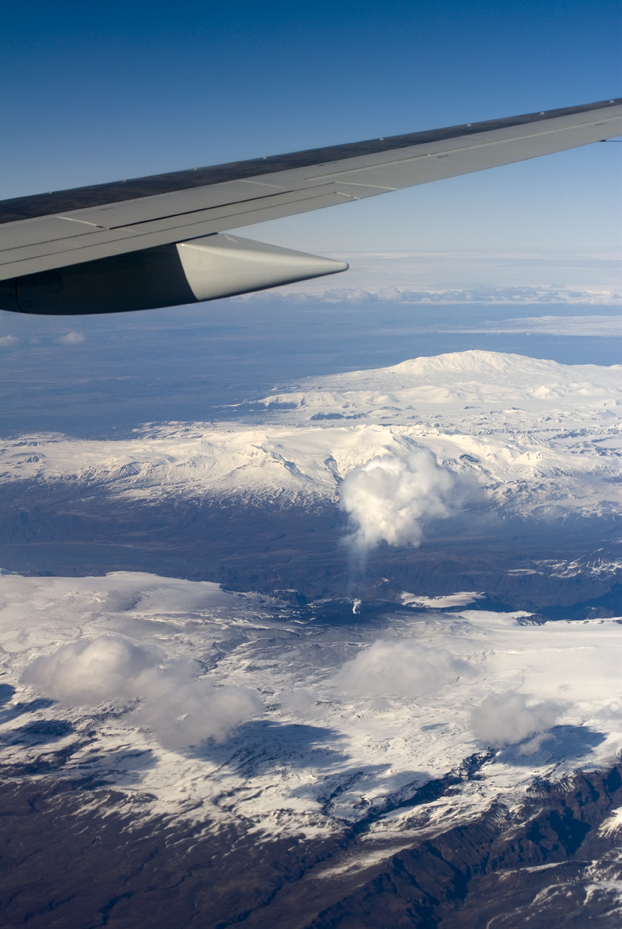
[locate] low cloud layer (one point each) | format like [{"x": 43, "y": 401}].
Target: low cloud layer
[
  {"x": 498, "y": 296},
  {"x": 401, "y": 667},
  {"x": 390, "y": 498},
  {"x": 506, "y": 719},
  {"x": 180, "y": 709}
]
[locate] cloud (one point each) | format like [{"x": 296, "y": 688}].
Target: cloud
[
  {"x": 6, "y": 341},
  {"x": 390, "y": 497},
  {"x": 603, "y": 326},
  {"x": 400, "y": 667},
  {"x": 188, "y": 712},
  {"x": 506, "y": 719},
  {"x": 72, "y": 338},
  {"x": 92, "y": 671},
  {"x": 472, "y": 294},
  {"x": 180, "y": 709}
]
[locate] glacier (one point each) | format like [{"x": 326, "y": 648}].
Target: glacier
[
  {"x": 346, "y": 718},
  {"x": 541, "y": 439}
]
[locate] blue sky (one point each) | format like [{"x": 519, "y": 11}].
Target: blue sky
[
  {"x": 108, "y": 90},
  {"x": 98, "y": 92}
]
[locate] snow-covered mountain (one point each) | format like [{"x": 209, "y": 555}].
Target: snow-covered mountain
[
  {"x": 229, "y": 721},
  {"x": 314, "y": 724},
  {"x": 535, "y": 436},
  {"x": 290, "y": 755}
]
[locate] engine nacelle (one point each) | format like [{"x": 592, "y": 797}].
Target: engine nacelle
[{"x": 215, "y": 266}]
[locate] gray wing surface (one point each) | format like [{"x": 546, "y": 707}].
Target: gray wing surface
[{"x": 49, "y": 231}]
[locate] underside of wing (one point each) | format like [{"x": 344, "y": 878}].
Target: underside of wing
[{"x": 79, "y": 250}]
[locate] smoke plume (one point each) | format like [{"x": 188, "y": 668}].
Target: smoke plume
[{"x": 390, "y": 498}]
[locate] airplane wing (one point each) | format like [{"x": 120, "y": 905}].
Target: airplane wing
[{"x": 157, "y": 215}]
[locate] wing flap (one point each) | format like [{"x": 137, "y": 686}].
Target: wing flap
[
  {"x": 33, "y": 232},
  {"x": 163, "y": 206},
  {"x": 106, "y": 243}
]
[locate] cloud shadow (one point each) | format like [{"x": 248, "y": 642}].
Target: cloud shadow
[
  {"x": 560, "y": 743},
  {"x": 38, "y": 732},
  {"x": 255, "y": 747}
]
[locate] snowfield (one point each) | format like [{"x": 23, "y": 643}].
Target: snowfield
[
  {"x": 327, "y": 737},
  {"x": 217, "y": 706},
  {"x": 537, "y": 438}
]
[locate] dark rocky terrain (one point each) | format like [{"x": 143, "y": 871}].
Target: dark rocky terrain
[
  {"x": 557, "y": 570},
  {"x": 74, "y": 853}
]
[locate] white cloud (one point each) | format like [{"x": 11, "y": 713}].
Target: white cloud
[
  {"x": 92, "y": 671},
  {"x": 186, "y": 712},
  {"x": 505, "y": 719},
  {"x": 72, "y": 338},
  {"x": 390, "y": 497},
  {"x": 474, "y": 294},
  {"x": 603, "y": 326},
  {"x": 180, "y": 709},
  {"x": 402, "y": 667},
  {"x": 6, "y": 341}
]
